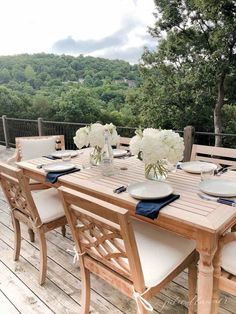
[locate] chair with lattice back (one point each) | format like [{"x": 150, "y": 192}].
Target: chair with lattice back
[
  {"x": 34, "y": 147},
  {"x": 133, "y": 256},
  {"x": 41, "y": 211}
]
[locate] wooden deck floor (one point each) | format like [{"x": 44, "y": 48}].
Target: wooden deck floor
[{"x": 21, "y": 293}]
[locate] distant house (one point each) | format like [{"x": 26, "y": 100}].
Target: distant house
[
  {"x": 130, "y": 83},
  {"x": 81, "y": 80}
]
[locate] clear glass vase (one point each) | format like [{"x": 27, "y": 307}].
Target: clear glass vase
[
  {"x": 96, "y": 156},
  {"x": 157, "y": 171}
]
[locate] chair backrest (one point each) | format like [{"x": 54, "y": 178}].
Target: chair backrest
[
  {"x": 124, "y": 143},
  {"x": 37, "y": 146},
  {"x": 17, "y": 191},
  {"x": 104, "y": 232},
  {"x": 217, "y": 155}
]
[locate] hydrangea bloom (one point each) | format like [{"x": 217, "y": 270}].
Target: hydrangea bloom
[
  {"x": 93, "y": 135},
  {"x": 153, "y": 145},
  {"x": 81, "y": 138}
]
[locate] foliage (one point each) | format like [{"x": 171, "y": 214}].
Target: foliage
[
  {"x": 184, "y": 79},
  {"x": 65, "y": 88}
]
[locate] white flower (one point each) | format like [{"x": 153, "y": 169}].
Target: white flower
[
  {"x": 154, "y": 145},
  {"x": 150, "y": 131},
  {"x": 96, "y": 135},
  {"x": 114, "y": 137},
  {"x": 81, "y": 137},
  {"x": 135, "y": 144}
]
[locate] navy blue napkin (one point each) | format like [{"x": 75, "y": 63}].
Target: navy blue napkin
[
  {"x": 51, "y": 157},
  {"x": 53, "y": 176},
  {"x": 151, "y": 208}
]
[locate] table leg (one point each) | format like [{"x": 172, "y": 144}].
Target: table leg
[
  {"x": 217, "y": 273},
  {"x": 206, "y": 246}
]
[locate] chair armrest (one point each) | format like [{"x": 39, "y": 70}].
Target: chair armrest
[{"x": 12, "y": 159}]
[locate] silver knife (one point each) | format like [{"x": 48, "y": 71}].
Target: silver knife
[{"x": 217, "y": 199}]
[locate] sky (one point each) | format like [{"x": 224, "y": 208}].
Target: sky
[{"x": 114, "y": 29}]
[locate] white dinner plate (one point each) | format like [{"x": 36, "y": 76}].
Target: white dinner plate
[
  {"x": 119, "y": 152},
  {"x": 149, "y": 190},
  {"x": 60, "y": 153},
  {"x": 58, "y": 166},
  {"x": 219, "y": 187},
  {"x": 197, "y": 166}
]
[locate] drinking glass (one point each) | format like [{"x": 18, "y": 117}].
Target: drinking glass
[
  {"x": 66, "y": 156},
  {"x": 207, "y": 173}
]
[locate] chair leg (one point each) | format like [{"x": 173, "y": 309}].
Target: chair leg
[
  {"x": 31, "y": 235},
  {"x": 192, "y": 286},
  {"x": 43, "y": 257},
  {"x": 17, "y": 235},
  {"x": 141, "y": 309},
  {"x": 85, "y": 279},
  {"x": 63, "y": 231}
]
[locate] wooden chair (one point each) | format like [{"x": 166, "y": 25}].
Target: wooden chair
[
  {"x": 217, "y": 155},
  {"x": 136, "y": 257},
  {"x": 123, "y": 143},
  {"x": 36, "y": 146},
  {"x": 41, "y": 211},
  {"x": 224, "y": 268}
]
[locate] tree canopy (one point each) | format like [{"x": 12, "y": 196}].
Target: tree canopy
[
  {"x": 65, "y": 88},
  {"x": 188, "y": 75}
]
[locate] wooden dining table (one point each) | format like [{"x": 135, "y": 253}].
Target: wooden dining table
[{"x": 189, "y": 216}]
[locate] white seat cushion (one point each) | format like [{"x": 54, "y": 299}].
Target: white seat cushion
[
  {"x": 48, "y": 204},
  {"x": 34, "y": 148},
  {"x": 160, "y": 251},
  {"x": 228, "y": 261}
]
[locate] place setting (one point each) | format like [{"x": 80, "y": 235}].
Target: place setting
[
  {"x": 57, "y": 169},
  {"x": 152, "y": 196},
  {"x": 197, "y": 166},
  {"x": 215, "y": 187},
  {"x": 64, "y": 154}
]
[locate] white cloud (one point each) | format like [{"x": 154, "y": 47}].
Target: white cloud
[{"x": 29, "y": 26}]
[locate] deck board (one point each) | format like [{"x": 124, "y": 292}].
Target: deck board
[{"x": 21, "y": 293}]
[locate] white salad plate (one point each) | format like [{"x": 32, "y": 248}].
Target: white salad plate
[
  {"x": 119, "y": 152},
  {"x": 197, "y": 166},
  {"x": 219, "y": 187},
  {"x": 58, "y": 166},
  {"x": 149, "y": 190},
  {"x": 61, "y": 153}
]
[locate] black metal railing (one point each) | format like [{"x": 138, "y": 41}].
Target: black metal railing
[
  {"x": 10, "y": 128},
  {"x": 20, "y": 128}
]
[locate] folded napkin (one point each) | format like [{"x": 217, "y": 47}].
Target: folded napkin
[
  {"x": 51, "y": 157},
  {"x": 53, "y": 176},
  {"x": 151, "y": 208}
]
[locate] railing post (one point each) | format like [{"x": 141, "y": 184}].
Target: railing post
[
  {"x": 189, "y": 133},
  {"x": 5, "y": 131},
  {"x": 40, "y": 126}
]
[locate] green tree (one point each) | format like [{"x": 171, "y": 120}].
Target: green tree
[
  {"x": 4, "y": 75},
  {"x": 29, "y": 72},
  {"x": 10, "y": 103},
  {"x": 77, "y": 105},
  {"x": 195, "y": 55}
]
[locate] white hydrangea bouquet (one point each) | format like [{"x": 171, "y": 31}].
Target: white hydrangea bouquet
[
  {"x": 157, "y": 149},
  {"x": 93, "y": 135}
]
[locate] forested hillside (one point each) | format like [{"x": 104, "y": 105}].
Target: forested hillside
[{"x": 66, "y": 88}]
